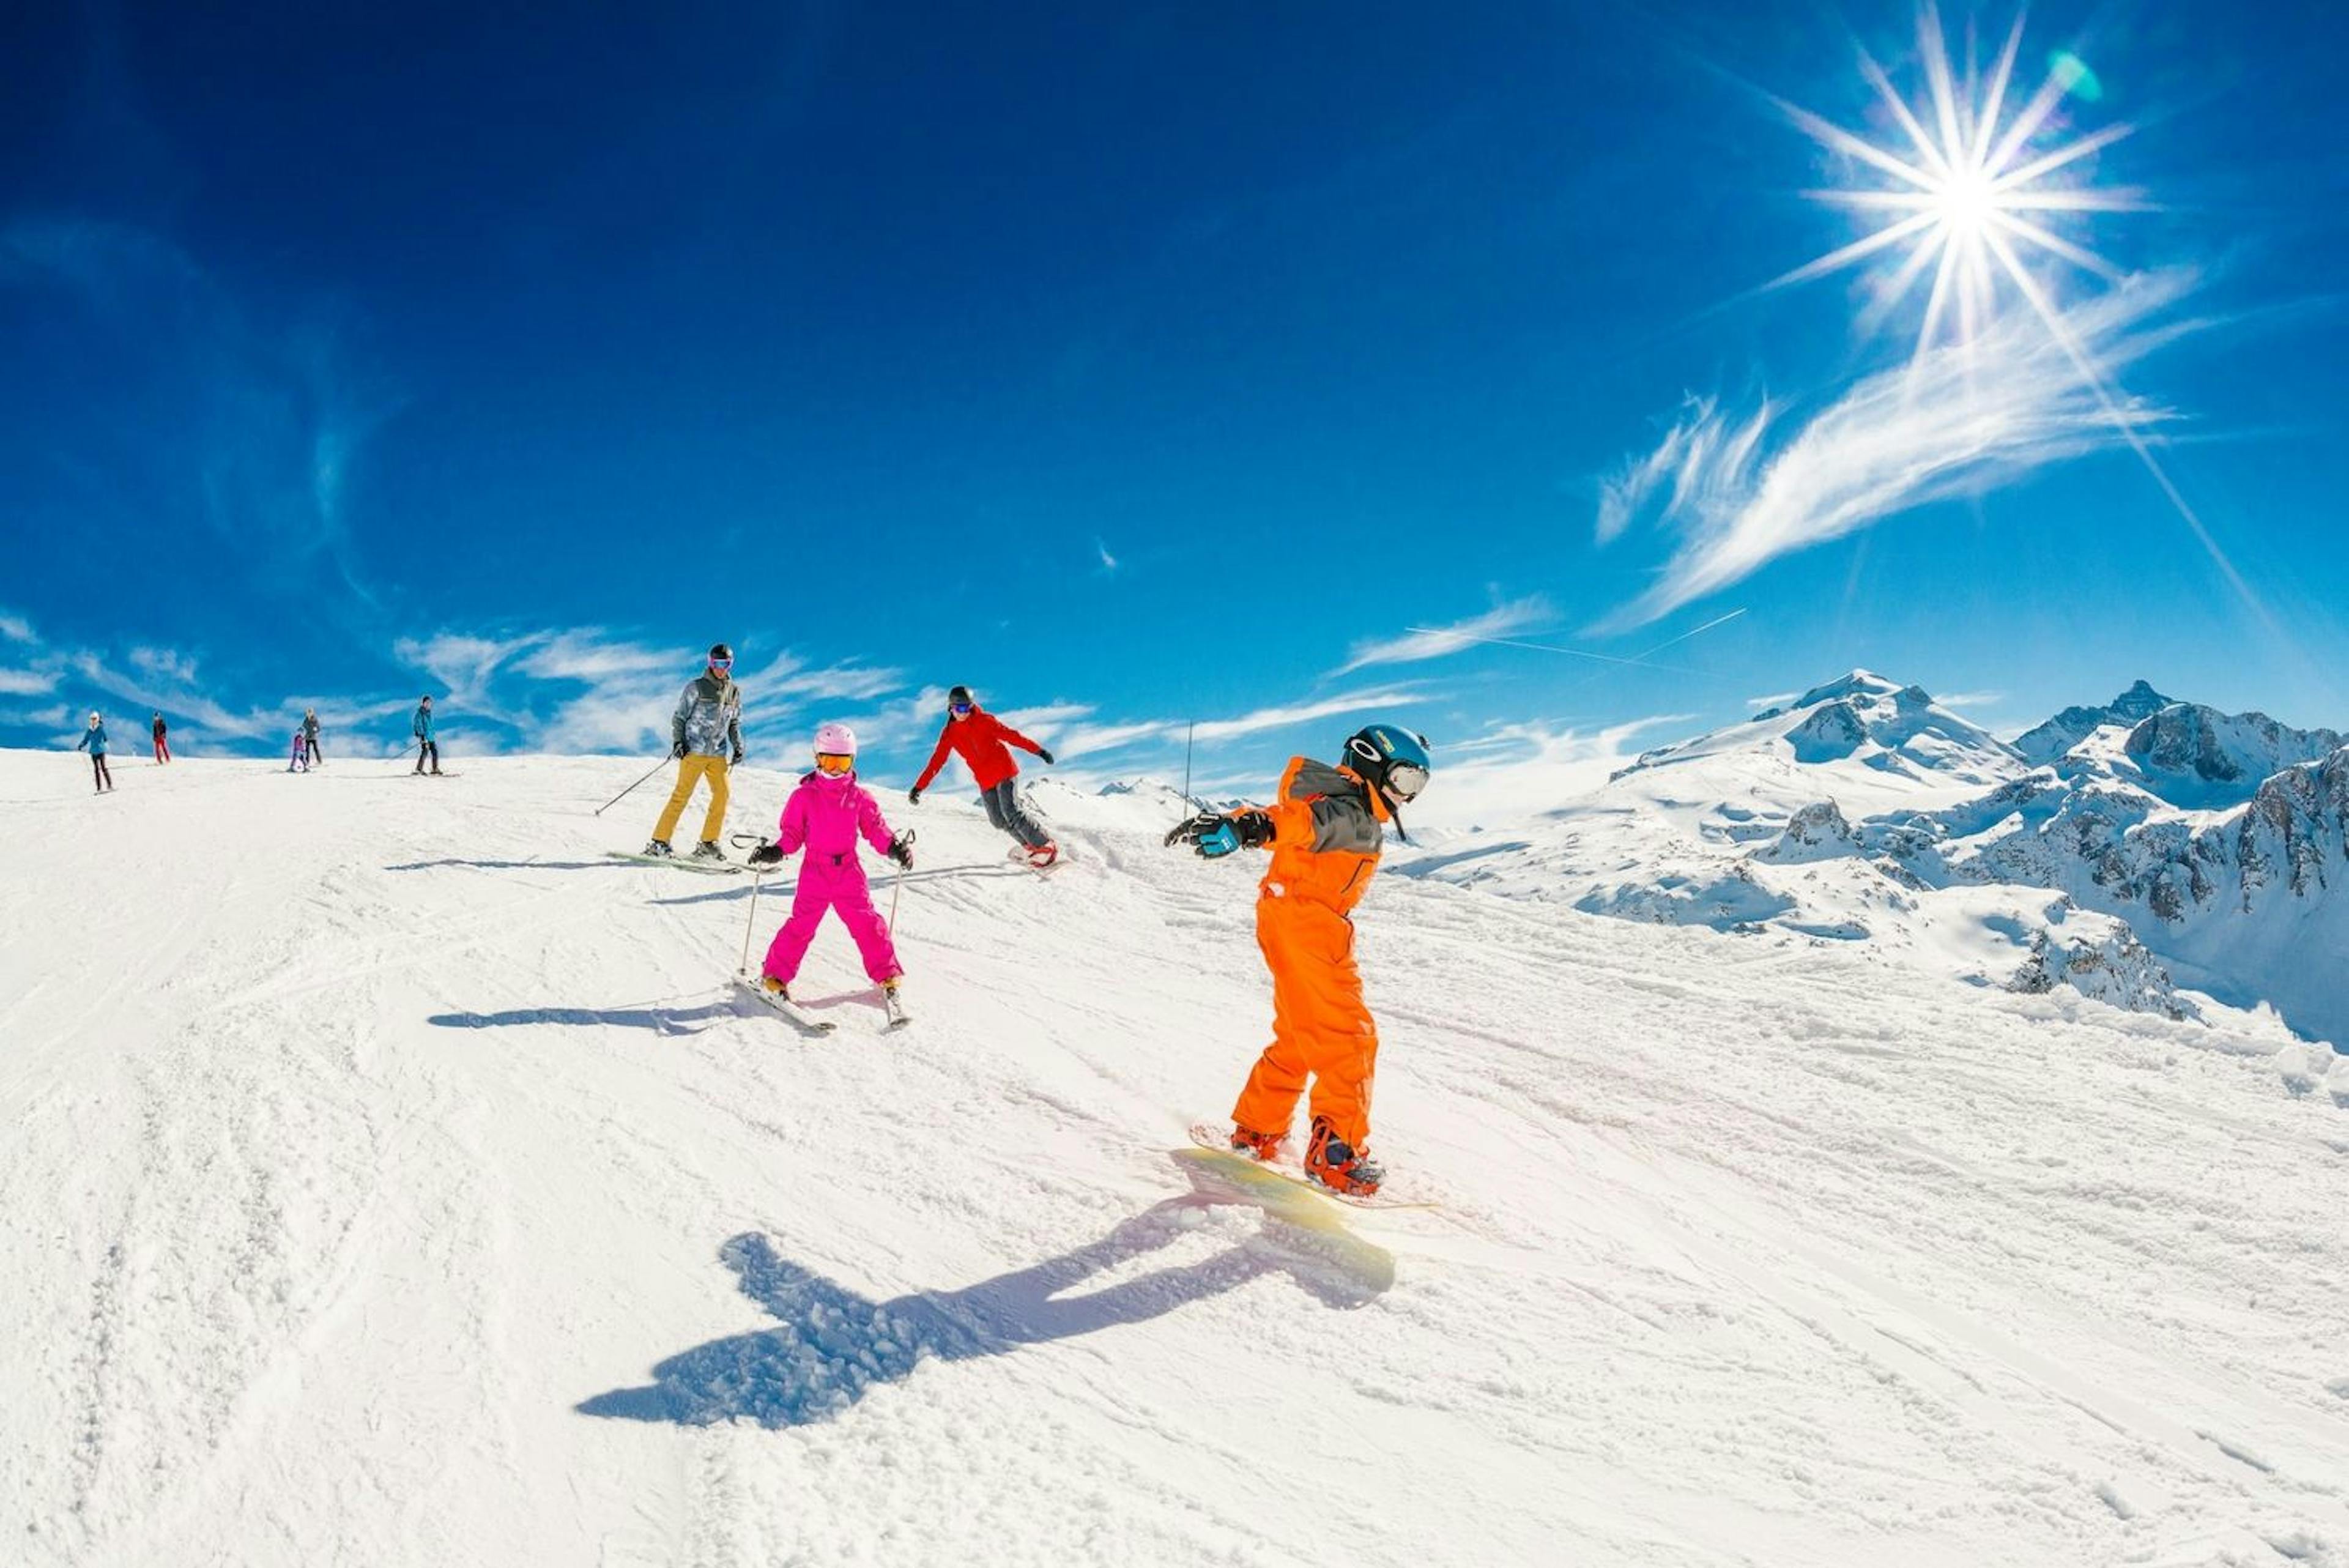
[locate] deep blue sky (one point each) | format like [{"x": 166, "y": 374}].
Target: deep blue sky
[{"x": 347, "y": 352}]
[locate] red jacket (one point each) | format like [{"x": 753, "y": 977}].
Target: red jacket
[{"x": 979, "y": 742}]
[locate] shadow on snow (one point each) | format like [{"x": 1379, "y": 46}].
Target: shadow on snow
[
  {"x": 658, "y": 1018},
  {"x": 833, "y": 1345}
]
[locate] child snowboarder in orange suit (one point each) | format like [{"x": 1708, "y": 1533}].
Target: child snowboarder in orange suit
[{"x": 1325, "y": 833}]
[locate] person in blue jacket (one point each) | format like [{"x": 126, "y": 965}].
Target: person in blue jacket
[
  {"x": 93, "y": 741},
  {"x": 427, "y": 749}
]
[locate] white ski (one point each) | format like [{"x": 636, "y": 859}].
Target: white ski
[
  {"x": 681, "y": 862},
  {"x": 789, "y": 1010}
]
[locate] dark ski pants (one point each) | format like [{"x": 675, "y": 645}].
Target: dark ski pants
[
  {"x": 310, "y": 745},
  {"x": 100, "y": 774},
  {"x": 427, "y": 750},
  {"x": 1003, "y": 809}
]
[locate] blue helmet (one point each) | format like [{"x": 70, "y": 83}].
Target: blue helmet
[{"x": 1391, "y": 759}]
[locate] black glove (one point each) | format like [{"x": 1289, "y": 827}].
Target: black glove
[
  {"x": 676, "y": 750},
  {"x": 767, "y": 856},
  {"x": 913, "y": 795},
  {"x": 1210, "y": 833},
  {"x": 1254, "y": 827},
  {"x": 738, "y": 757},
  {"x": 902, "y": 852},
  {"x": 1045, "y": 755}
]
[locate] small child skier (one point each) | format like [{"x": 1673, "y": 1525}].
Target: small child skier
[
  {"x": 93, "y": 741},
  {"x": 826, "y": 815},
  {"x": 300, "y": 760}
]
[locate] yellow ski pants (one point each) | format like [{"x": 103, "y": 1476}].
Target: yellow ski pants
[{"x": 691, "y": 771}]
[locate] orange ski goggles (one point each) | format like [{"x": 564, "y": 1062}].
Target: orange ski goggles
[{"x": 833, "y": 764}]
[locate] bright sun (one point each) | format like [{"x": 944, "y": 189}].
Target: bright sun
[{"x": 1962, "y": 194}]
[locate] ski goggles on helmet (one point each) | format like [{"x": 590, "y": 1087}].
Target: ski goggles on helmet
[
  {"x": 1405, "y": 780},
  {"x": 833, "y": 762}
]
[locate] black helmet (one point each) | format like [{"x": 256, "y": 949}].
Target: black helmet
[
  {"x": 718, "y": 650},
  {"x": 961, "y": 697}
]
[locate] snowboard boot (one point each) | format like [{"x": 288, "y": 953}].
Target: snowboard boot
[
  {"x": 1334, "y": 1163},
  {"x": 1264, "y": 1147},
  {"x": 708, "y": 850},
  {"x": 1043, "y": 855},
  {"x": 657, "y": 848}
]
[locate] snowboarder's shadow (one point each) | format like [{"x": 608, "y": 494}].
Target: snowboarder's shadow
[{"x": 833, "y": 1344}]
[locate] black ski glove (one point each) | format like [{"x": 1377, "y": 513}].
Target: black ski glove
[
  {"x": 676, "y": 750},
  {"x": 1215, "y": 836},
  {"x": 1045, "y": 753},
  {"x": 767, "y": 856},
  {"x": 913, "y": 795},
  {"x": 902, "y": 852},
  {"x": 737, "y": 758}
]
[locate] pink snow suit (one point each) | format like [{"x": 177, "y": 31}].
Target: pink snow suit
[{"x": 824, "y": 816}]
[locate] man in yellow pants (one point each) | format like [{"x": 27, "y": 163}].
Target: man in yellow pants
[{"x": 705, "y": 737}]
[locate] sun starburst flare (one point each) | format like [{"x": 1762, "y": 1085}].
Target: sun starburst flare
[{"x": 1957, "y": 200}]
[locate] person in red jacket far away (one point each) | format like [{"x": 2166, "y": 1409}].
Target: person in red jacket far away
[{"x": 983, "y": 744}]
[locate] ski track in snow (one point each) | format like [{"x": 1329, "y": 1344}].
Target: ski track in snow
[{"x": 392, "y": 1178}]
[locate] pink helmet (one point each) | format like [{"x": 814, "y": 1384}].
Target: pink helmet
[{"x": 835, "y": 740}]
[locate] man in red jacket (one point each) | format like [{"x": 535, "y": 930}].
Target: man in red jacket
[{"x": 983, "y": 744}]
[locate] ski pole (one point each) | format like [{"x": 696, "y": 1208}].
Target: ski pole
[
  {"x": 630, "y": 790},
  {"x": 757, "y": 877},
  {"x": 897, "y": 885}
]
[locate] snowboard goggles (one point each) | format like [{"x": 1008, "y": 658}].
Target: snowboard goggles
[
  {"x": 722, "y": 664},
  {"x": 959, "y": 710},
  {"x": 833, "y": 762},
  {"x": 1405, "y": 780}
]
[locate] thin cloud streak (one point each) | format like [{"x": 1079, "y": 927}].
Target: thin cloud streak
[
  {"x": 1436, "y": 642},
  {"x": 1961, "y": 420}
]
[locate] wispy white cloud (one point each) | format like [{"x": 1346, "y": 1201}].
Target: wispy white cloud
[
  {"x": 165, "y": 664},
  {"x": 1281, "y": 716},
  {"x": 1101, "y": 548},
  {"x": 1961, "y": 419},
  {"x": 1435, "y": 642},
  {"x": 1774, "y": 699},
  {"x": 14, "y": 628},
  {"x": 27, "y": 682},
  {"x": 1972, "y": 700}
]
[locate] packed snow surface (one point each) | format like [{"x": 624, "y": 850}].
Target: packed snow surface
[{"x": 390, "y": 1178}]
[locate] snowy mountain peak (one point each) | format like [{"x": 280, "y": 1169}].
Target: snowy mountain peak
[
  {"x": 1858, "y": 683},
  {"x": 1895, "y": 732},
  {"x": 2197, "y": 756},
  {"x": 2067, "y": 729}
]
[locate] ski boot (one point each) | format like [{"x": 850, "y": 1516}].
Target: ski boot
[
  {"x": 659, "y": 848},
  {"x": 780, "y": 990},
  {"x": 1264, "y": 1147},
  {"x": 708, "y": 850},
  {"x": 1333, "y": 1162}
]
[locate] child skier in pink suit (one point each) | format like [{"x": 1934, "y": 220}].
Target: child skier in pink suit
[{"x": 826, "y": 817}]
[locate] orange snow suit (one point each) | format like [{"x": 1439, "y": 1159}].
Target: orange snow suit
[{"x": 1325, "y": 849}]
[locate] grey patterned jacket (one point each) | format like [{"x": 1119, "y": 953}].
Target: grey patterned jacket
[{"x": 708, "y": 718}]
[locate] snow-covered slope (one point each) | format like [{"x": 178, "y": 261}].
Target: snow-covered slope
[{"x": 391, "y": 1178}]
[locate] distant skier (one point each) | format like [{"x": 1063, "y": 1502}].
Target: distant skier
[
  {"x": 310, "y": 735},
  {"x": 427, "y": 748},
  {"x": 163, "y": 748},
  {"x": 93, "y": 741},
  {"x": 826, "y": 815},
  {"x": 706, "y": 738},
  {"x": 1325, "y": 833},
  {"x": 299, "y": 763},
  {"x": 983, "y": 742}
]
